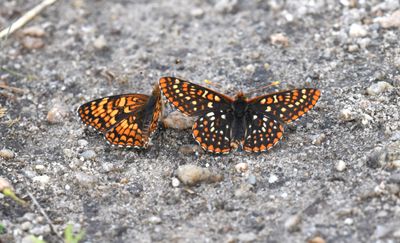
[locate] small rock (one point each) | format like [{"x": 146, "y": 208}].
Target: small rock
[
  {"x": 188, "y": 149},
  {"x": 340, "y": 166},
  {"x": 353, "y": 48},
  {"x": 349, "y": 221},
  {"x": 241, "y": 167},
  {"x": 100, "y": 43},
  {"x": 82, "y": 143},
  {"x": 85, "y": 179},
  {"x": 279, "y": 39},
  {"x": 346, "y": 115},
  {"x": 192, "y": 174},
  {"x": 177, "y": 120},
  {"x": 252, "y": 179},
  {"x": 7, "y": 154},
  {"x": 88, "y": 154},
  {"x": 377, "y": 158},
  {"x": 25, "y": 226},
  {"x": 4, "y": 184},
  {"x": 57, "y": 114},
  {"x": 41, "y": 230},
  {"x": 40, "y": 167},
  {"x": 357, "y": 30},
  {"x": 35, "y": 31},
  {"x": 364, "y": 42},
  {"x": 319, "y": 139},
  {"x": 31, "y": 43},
  {"x": 272, "y": 179},
  {"x": 155, "y": 220},
  {"x": 250, "y": 68},
  {"x": 175, "y": 182},
  {"x": 292, "y": 223},
  {"x": 197, "y": 12},
  {"x": 316, "y": 239},
  {"x": 378, "y": 88},
  {"x": 43, "y": 179},
  {"x": 226, "y": 6},
  {"x": 391, "y": 21},
  {"x": 247, "y": 237}
]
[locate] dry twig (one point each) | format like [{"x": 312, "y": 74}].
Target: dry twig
[{"x": 26, "y": 18}]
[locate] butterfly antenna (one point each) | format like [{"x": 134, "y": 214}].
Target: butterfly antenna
[
  {"x": 209, "y": 82},
  {"x": 275, "y": 83}
]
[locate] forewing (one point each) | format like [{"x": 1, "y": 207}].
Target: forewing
[
  {"x": 213, "y": 132},
  {"x": 192, "y": 99},
  {"x": 286, "y": 106},
  {"x": 262, "y": 133},
  {"x": 102, "y": 114}
]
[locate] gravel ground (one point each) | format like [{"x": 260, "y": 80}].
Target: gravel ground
[{"x": 335, "y": 177}]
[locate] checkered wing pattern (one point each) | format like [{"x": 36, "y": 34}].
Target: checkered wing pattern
[
  {"x": 192, "y": 99},
  {"x": 286, "y": 106},
  {"x": 262, "y": 133},
  {"x": 125, "y": 120},
  {"x": 213, "y": 131}
]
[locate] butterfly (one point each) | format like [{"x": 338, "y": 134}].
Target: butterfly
[
  {"x": 126, "y": 120},
  {"x": 225, "y": 123}
]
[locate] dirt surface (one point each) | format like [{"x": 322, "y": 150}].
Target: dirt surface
[{"x": 334, "y": 177}]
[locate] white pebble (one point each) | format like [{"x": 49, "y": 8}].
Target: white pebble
[
  {"x": 175, "y": 182},
  {"x": 340, "y": 165},
  {"x": 43, "y": 179},
  {"x": 357, "y": 30},
  {"x": 7, "y": 154},
  {"x": 292, "y": 223},
  {"x": 272, "y": 179},
  {"x": 378, "y": 88},
  {"x": 348, "y": 221},
  {"x": 241, "y": 167},
  {"x": 155, "y": 220},
  {"x": 40, "y": 167}
]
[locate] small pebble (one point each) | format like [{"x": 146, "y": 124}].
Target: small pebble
[
  {"x": 43, "y": 179},
  {"x": 4, "y": 184},
  {"x": 319, "y": 139},
  {"x": 250, "y": 68},
  {"x": 353, "y": 48},
  {"x": 316, "y": 239},
  {"x": 100, "y": 43},
  {"x": 279, "y": 39},
  {"x": 292, "y": 223},
  {"x": 357, "y": 30},
  {"x": 197, "y": 12},
  {"x": 35, "y": 31},
  {"x": 7, "y": 154},
  {"x": 247, "y": 237},
  {"x": 241, "y": 167},
  {"x": 340, "y": 166},
  {"x": 41, "y": 230},
  {"x": 346, "y": 115},
  {"x": 192, "y": 174},
  {"x": 88, "y": 154},
  {"x": 376, "y": 158},
  {"x": 348, "y": 221},
  {"x": 31, "y": 43},
  {"x": 25, "y": 226},
  {"x": 57, "y": 114},
  {"x": 378, "y": 88},
  {"x": 226, "y": 6},
  {"x": 40, "y": 167},
  {"x": 155, "y": 220},
  {"x": 272, "y": 179},
  {"x": 188, "y": 149},
  {"x": 252, "y": 179},
  {"x": 391, "y": 21},
  {"x": 82, "y": 143},
  {"x": 175, "y": 182},
  {"x": 85, "y": 179},
  {"x": 177, "y": 120}
]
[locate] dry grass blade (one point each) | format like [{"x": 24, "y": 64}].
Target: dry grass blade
[{"x": 26, "y": 18}]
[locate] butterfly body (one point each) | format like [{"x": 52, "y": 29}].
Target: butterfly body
[
  {"x": 226, "y": 123},
  {"x": 126, "y": 120}
]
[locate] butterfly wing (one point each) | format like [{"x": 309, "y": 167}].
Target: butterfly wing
[
  {"x": 104, "y": 113},
  {"x": 213, "y": 131},
  {"x": 192, "y": 99},
  {"x": 125, "y": 120},
  {"x": 286, "y": 106},
  {"x": 262, "y": 133}
]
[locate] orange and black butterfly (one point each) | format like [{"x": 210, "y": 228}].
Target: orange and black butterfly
[
  {"x": 225, "y": 123},
  {"x": 126, "y": 120}
]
